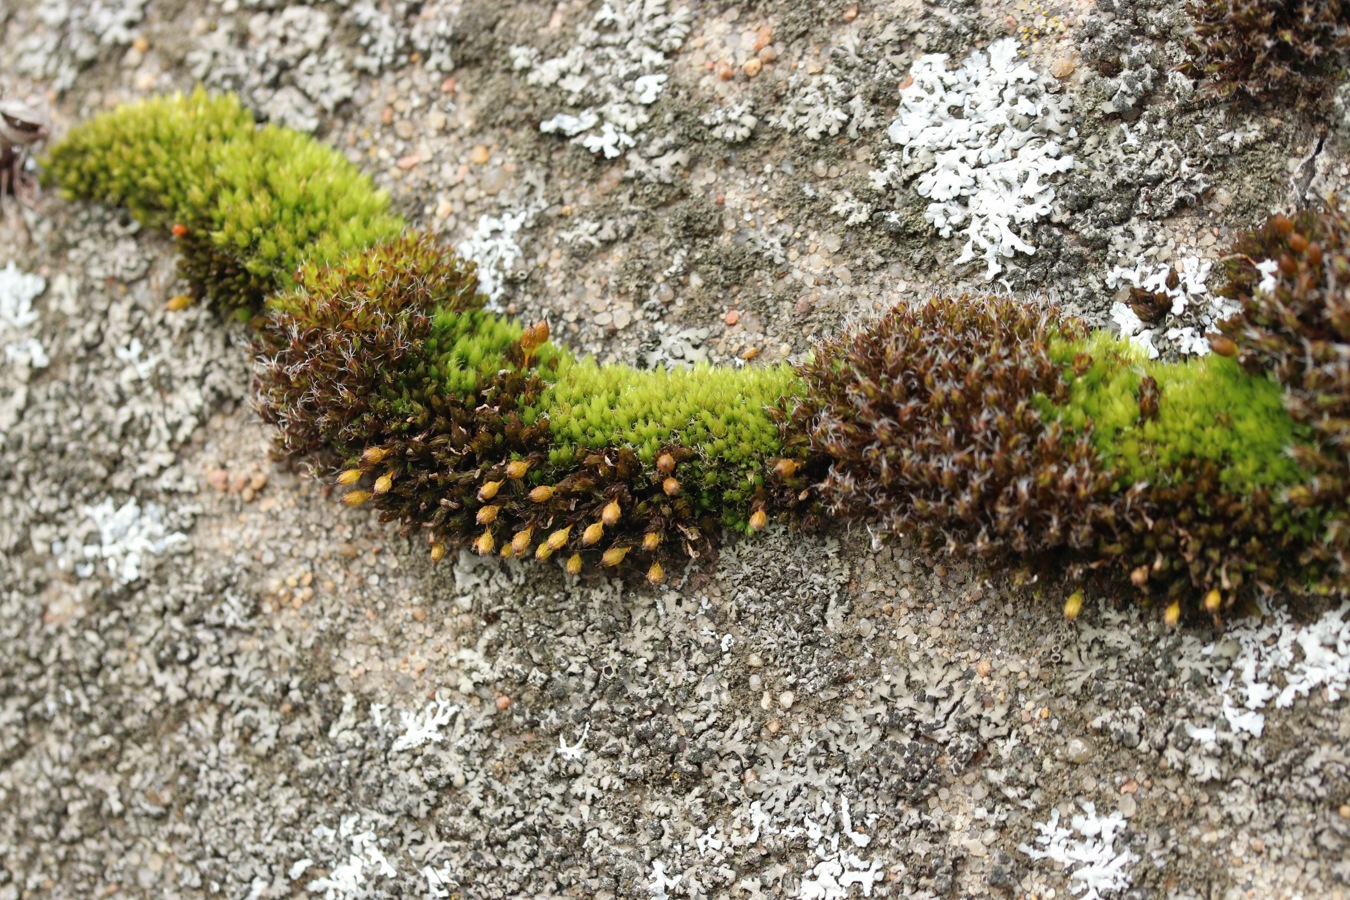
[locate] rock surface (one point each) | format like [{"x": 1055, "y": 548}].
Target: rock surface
[{"x": 217, "y": 680}]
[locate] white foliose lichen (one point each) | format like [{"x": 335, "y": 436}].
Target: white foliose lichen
[
  {"x": 1279, "y": 661},
  {"x": 355, "y": 875},
  {"x": 733, "y": 123},
  {"x": 1193, "y": 307},
  {"x": 126, "y": 535},
  {"x": 983, "y": 140},
  {"x": 18, "y": 290},
  {"x": 494, "y": 248},
  {"x": 419, "y": 728},
  {"x": 835, "y": 864},
  {"x": 1096, "y": 865},
  {"x": 611, "y": 74}
]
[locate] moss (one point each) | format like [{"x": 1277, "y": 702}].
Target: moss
[
  {"x": 1207, "y": 409},
  {"x": 1290, "y": 278},
  {"x": 976, "y": 422},
  {"x": 1285, "y": 50},
  {"x": 248, "y": 204},
  {"x": 720, "y": 414},
  {"x": 933, "y": 421}
]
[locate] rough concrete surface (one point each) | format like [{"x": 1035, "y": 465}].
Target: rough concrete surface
[{"x": 214, "y": 680}]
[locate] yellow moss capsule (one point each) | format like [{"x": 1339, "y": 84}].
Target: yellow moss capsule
[
  {"x": 613, "y": 556},
  {"x": 356, "y": 498},
  {"x": 1172, "y": 615},
  {"x": 373, "y": 455},
  {"x": 542, "y": 494},
  {"x": 651, "y": 540},
  {"x": 1213, "y": 600},
  {"x": 178, "y": 303},
  {"x": 665, "y": 464},
  {"x": 543, "y": 551},
  {"x": 1073, "y": 606},
  {"x": 656, "y": 574},
  {"x": 574, "y": 564},
  {"x": 349, "y": 477},
  {"x": 610, "y": 514},
  {"x": 517, "y": 468},
  {"x": 437, "y": 551},
  {"x": 521, "y": 541},
  {"x": 488, "y": 491},
  {"x": 558, "y": 538},
  {"x": 786, "y": 468},
  {"x": 485, "y": 544},
  {"x": 507, "y": 551},
  {"x": 671, "y": 487},
  {"x": 488, "y": 514},
  {"x": 593, "y": 533},
  {"x": 758, "y": 519},
  {"x": 384, "y": 483}
]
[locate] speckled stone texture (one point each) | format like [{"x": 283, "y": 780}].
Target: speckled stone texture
[{"x": 217, "y": 681}]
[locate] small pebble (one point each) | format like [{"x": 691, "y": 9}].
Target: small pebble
[
  {"x": 983, "y": 668},
  {"x": 387, "y": 116},
  {"x": 1062, "y": 67},
  {"x": 732, "y": 317},
  {"x": 725, "y": 71},
  {"x": 753, "y": 66},
  {"x": 478, "y": 155},
  {"x": 763, "y": 37},
  {"x": 218, "y": 479},
  {"x": 786, "y": 699},
  {"x": 258, "y": 481},
  {"x": 1078, "y": 751},
  {"x": 503, "y": 702}
]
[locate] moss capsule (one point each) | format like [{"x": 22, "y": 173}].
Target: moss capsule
[
  {"x": 557, "y": 539},
  {"x": 594, "y": 532},
  {"x": 1073, "y": 606}
]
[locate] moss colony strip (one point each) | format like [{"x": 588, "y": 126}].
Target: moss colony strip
[{"x": 973, "y": 421}]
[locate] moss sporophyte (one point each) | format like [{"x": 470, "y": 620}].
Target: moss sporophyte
[{"x": 977, "y": 423}]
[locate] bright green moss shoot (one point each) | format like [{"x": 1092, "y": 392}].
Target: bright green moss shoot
[
  {"x": 1209, "y": 410},
  {"x": 465, "y": 347},
  {"x": 721, "y": 413},
  {"x": 268, "y": 198}
]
